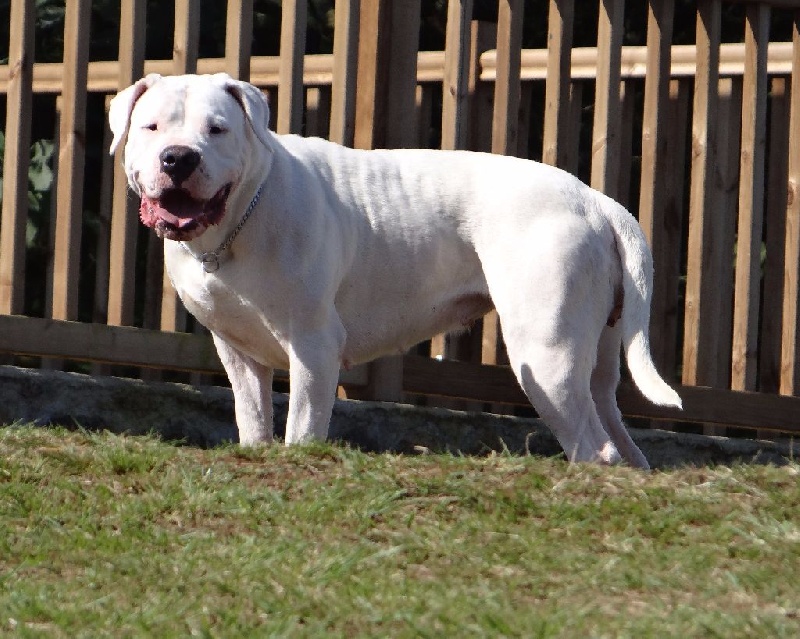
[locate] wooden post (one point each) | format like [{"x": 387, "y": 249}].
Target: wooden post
[
  {"x": 72, "y": 153},
  {"x": 386, "y": 102},
  {"x": 386, "y": 117},
  {"x": 124, "y": 221},
  {"x": 561, "y": 18},
  {"x": 294, "y": 19},
  {"x": 17, "y": 157},
  {"x": 751, "y": 199}
]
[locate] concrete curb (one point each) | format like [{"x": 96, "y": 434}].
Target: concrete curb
[{"x": 204, "y": 417}]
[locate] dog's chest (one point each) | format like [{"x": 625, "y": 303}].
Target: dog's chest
[{"x": 223, "y": 309}]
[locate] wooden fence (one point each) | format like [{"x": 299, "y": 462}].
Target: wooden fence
[{"x": 701, "y": 141}]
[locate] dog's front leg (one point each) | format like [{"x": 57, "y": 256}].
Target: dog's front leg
[
  {"x": 252, "y": 393},
  {"x": 314, "y": 360}
]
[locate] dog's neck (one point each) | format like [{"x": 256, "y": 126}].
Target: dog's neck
[
  {"x": 214, "y": 246},
  {"x": 212, "y": 259}
]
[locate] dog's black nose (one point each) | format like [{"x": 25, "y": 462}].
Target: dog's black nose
[{"x": 179, "y": 162}]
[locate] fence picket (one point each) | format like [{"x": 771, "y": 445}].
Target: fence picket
[
  {"x": 318, "y": 112},
  {"x": 561, "y": 18},
  {"x": 624, "y": 157},
  {"x": 345, "y": 58},
  {"x": 72, "y": 140},
  {"x": 103, "y": 246},
  {"x": 699, "y": 285},
  {"x": 568, "y": 155},
  {"x": 51, "y": 236},
  {"x": 506, "y": 86},
  {"x": 238, "y": 36},
  {"x": 372, "y": 71},
  {"x": 652, "y": 203},
  {"x": 606, "y": 129},
  {"x": 455, "y": 111},
  {"x": 17, "y": 153},
  {"x": 185, "y": 52},
  {"x": 483, "y": 37},
  {"x": 186, "y": 39},
  {"x": 121, "y": 275},
  {"x": 294, "y": 15},
  {"x": 719, "y": 268},
  {"x": 505, "y": 128},
  {"x": 402, "y": 82},
  {"x": 775, "y": 239},
  {"x": 456, "y": 75},
  {"x": 751, "y": 200},
  {"x": 790, "y": 344},
  {"x": 669, "y": 260}
]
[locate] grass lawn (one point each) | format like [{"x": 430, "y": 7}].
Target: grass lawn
[{"x": 102, "y": 535}]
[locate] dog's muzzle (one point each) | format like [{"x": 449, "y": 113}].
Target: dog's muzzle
[{"x": 176, "y": 215}]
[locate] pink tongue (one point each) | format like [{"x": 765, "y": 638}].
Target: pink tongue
[{"x": 176, "y": 211}]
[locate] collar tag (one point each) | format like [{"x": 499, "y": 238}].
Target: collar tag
[{"x": 210, "y": 262}]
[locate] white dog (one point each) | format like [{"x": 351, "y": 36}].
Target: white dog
[{"x": 301, "y": 253}]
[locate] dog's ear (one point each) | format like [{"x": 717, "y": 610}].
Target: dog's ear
[
  {"x": 253, "y": 102},
  {"x": 121, "y": 107}
]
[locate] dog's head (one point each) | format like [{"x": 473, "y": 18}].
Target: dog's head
[{"x": 191, "y": 141}]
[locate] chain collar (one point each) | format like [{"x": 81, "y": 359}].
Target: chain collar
[{"x": 210, "y": 259}]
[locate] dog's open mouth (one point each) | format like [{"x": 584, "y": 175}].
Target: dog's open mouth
[{"x": 176, "y": 215}]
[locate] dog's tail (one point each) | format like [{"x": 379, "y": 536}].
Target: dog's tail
[{"x": 637, "y": 283}]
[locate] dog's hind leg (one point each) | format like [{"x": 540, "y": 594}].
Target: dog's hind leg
[
  {"x": 551, "y": 288},
  {"x": 605, "y": 379},
  {"x": 556, "y": 379}
]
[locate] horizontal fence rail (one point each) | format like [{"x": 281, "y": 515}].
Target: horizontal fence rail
[
  {"x": 701, "y": 141},
  {"x": 420, "y": 375},
  {"x": 102, "y": 77}
]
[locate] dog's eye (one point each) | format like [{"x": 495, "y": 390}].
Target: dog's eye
[
  {"x": 216, "y": 129},
  {"x": 151, "y": 127}
]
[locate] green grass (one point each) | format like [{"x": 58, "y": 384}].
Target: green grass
[{"x": 102, "y": 535}]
